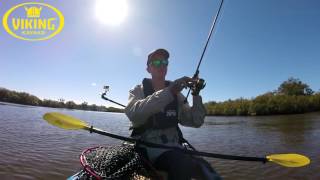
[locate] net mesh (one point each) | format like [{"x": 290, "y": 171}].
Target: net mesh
[{"x": 115, "y": 162}]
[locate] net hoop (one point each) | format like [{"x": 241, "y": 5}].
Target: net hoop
[{"x": 85, "y": 165}]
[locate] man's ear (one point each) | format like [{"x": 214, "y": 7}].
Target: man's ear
[{"x": 148, "y": 69}]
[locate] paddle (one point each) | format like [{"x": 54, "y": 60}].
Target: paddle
[{"x": 69, "y": 122}]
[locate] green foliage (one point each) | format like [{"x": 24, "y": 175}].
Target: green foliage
[
  {"x": 28, "y": 99},
  {"x": 266, "y": 105},
  {"x": 71, "y": 105},
  {"x": 112, "y": 109},
  {"x": 293, "y": 96},
  {"x": 294, "y": 87},
  {"x": 237, "y": 107},
  {"x": 84, "y": 105},
  {"x": 18, "y": 97}
]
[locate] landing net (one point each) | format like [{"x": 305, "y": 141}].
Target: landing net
[{"x": 115, "y": 162}]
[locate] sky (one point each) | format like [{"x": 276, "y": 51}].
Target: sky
[{"x": 256, "y": 45}]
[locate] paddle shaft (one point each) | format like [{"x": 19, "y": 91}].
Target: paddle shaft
[{"x": 154, "y": 145}]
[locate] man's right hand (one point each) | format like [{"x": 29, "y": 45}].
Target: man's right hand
[{"x": 179, "y": 84}]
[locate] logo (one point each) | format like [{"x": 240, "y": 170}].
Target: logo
[
  {"x": 171, "y": 113},
  {"x": 33, "y": 21}
]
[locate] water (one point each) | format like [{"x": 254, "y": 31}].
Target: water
[{"x": 33, "y": 149}]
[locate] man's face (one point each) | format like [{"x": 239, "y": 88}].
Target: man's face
[{"x": 157, "y": 67}]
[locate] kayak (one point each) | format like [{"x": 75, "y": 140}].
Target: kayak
[{"x": 77, "y": 176}]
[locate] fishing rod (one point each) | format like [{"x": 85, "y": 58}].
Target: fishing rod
[{"x": 200, "y": 84}]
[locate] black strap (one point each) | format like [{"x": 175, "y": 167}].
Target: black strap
[{"x": 183, "y": 140}]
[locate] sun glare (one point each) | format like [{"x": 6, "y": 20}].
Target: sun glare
[{"x": 111, "y": 12}]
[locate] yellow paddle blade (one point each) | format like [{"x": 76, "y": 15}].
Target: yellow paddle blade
[
  {"x": 64, "y": 121},
  {"x": 289, "y": 160}
]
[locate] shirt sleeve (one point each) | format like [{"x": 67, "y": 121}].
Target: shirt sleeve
[
  {"x": 140, "y": 108},
  {"x": 191, "y": 116}
]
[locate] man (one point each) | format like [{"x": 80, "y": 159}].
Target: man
[{"x": 155, "y": 108}]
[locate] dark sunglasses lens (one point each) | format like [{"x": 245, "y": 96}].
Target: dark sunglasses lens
[
  {"x": 165, "y": 62},
  {"x": 158, "y": 63}
]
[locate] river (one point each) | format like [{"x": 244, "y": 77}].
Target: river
[{"x": 33, "y": 149}]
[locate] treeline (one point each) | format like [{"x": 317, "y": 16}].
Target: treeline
[
  {"x": 28, "y": 99},
  {"x": 291, "y": 97}
]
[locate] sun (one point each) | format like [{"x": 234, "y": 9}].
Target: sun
[{"x": 111, "y": 12}]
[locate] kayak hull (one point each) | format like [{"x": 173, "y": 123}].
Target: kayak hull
[{"x": 76, "y": 176}]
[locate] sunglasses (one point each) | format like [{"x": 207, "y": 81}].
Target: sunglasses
[{"x": 159, "y": 62}]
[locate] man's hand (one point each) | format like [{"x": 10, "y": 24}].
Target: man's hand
[
  {"x": 179, "y": 84},
  {"x": 198, "y": 85}
]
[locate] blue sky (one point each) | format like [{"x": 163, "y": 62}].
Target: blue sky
[{"x": 256, "y": 45}]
